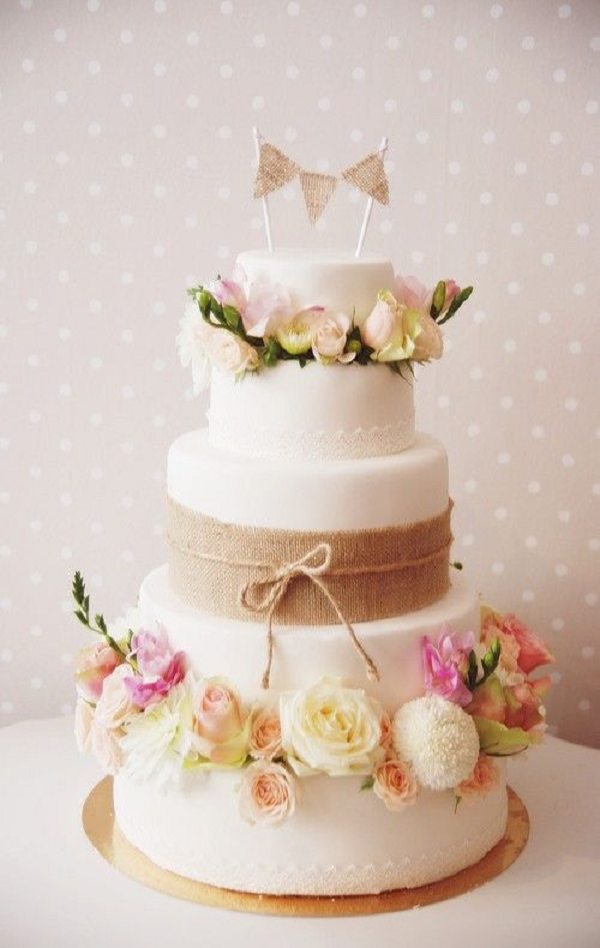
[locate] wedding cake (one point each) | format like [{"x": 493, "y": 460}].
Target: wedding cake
[{"x": 309, "y": 698}]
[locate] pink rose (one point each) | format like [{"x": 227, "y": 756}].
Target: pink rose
[
  {"x": 267, "y": 793},
  {"x": 395, "y": 784},
  {"x": 445, "y": 665},
  {"x": 84, "y": 715},
  {"x": 159, "y": 667},
  {"x": 265, "y": 734},
  {"x": 219, "y": 732},
  {"x": 329, "y": 338},
  {"x": 93, "y": 664},
  {"x": 115, "y": 704},
  {"x": 411, "y": 292},
  {"x": 484, "y": 778},
  {"x": 106, "y": 747},
  {"x": 381, "y": 323}
]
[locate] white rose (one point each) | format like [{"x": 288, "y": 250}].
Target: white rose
[
  {"x": 429, "y": 344},
  {"x": 231, "y": 354},
  {"x": 192, "y": 345},
  {"x": 84, "y": 715},
  {"x": 267, "y": 793},
  {"x": 331, "y": 728},
  {"x": 106, "y": 747},
  {"x": 114, "y": 704},
  {"x": 329, "y": 338}
]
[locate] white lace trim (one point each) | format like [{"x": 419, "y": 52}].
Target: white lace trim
[
  {"x": 352, "y": 879},
  {"x": 314, "y": 445}
]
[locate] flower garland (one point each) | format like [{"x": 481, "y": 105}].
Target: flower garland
[
  {"x": 240, "y": 326},
  {"x": 143, "y": 711}
]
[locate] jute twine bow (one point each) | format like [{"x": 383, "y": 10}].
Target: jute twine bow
[{"x": 264, "y": 595}]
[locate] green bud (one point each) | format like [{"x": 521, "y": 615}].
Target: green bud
[
  {"x": 354, "y": 345},
  {"x": 439, "y": 297}
]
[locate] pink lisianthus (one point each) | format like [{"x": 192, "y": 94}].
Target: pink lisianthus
[
  {"x": 445, "y": 665},
  {"x": 521, "y": 648},
  {"x": 411, "y": 292},
  {"x": 258, "y": 304},
  {"x": 159, "y": 667},
  {"x": 93, "y": 665}
]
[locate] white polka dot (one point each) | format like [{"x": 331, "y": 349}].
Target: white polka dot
[
  {"x": 293, "y": 9},
  {"x": 587, "y": 168},
  {"x": 454, "y": 167},
  {"x": 36, "y": 683},
  {"x": 507, "y": 402},
  {"x": 324, "y": 104},
  {"x": 571, "y": 404},
  {"x": 500, "y": 513},
  {"x": 587, "y": 652},
  {"x": 591, "y": 599},
  {"x": 489, "y": 137},
  {"x": 559, "y": 75},
  {"x": 471, "y": 486},
  {"x": 564, "y": 11},
  {"x": 496, "y": 11},
  {"x": 498, "y": 568},
  {"x": 94, "y": 67},
  {"x": 159, "y": 70},
  {"x": 534, "y": 487},
  {"x": 492, "y": 75},
  {"x": 259, "y": 40},
  {"x": 60, "y": 35},
  {"x": 538, "y": 432},
  {"x": 126, "y": 37},
  {"x": 564, "y": 516},
  {"x": 127, "y": 100},
  {"x": 457, "y": 106},
  {"x": 393, "y": 42},
  {"x": 528, "y": 43},
  {"x": 558, "y": 624},
  {"x": 585, "y": 704},
  {"x": 575, "y": 347},
  {"x": 227, "y": 8},
  {"x": 591, "y": 107},
  {"x": 358, "y": 73},
  {"x": 428, "y": 11},
  {"x": 531, "y": 542},
  {"x": 425, "y": 75},
  {"x": 360, "y": 10},
  {"x": 460, "y": 43},
  {"x": 556, "y": 138},
  {"x": 551, "y": 199},
  {"x": 561, "y": 570},
  {"x": 528, "y": 595},
  {"x": 390, "y": 105}
]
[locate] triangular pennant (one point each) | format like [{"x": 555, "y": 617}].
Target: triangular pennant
[
  {"x": 274, "y": 170},
  {"x": 317, "y": 190},
  {"x": 369, "y": 175}
]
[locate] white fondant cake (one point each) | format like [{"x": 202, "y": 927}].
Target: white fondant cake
[{"x": 291, "y": 451}]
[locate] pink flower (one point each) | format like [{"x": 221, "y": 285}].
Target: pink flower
[
  {"x": 329, "y": 338},
  {"x": 258, "y": 304},
  {"x": 160, "y": 669},
  {"x": 395, "y": 784},
  {"x": 381, "y": 323},
  {"x": 93, "y": 664},
  {"x": 412, "y": 293},
  {"x": 521, "y": 649},
  {"x": 220, "y": 734},
  {"x": 265, "y": 734},
  {"x": 115, "y": 704},
  {"x": 229, "y": 293},
  {"x": 452, "y": 291},
  {"x": 524, "y": 703},
  {"x": 489, "y": 700},
  {"x": 484, "y": 778},
  {"x": 267, "y": 793},
  {"x": 445, "y": 665}
]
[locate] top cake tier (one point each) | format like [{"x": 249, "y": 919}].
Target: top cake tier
[{"x": 318, "y": 411}]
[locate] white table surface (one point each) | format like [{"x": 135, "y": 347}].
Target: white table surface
[{"x": 56, "y": 890}]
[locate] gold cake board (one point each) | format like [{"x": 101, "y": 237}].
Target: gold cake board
[{"x": 104, "y": 834}]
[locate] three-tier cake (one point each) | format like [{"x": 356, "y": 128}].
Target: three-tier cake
[{"x": 307, "y": 700}]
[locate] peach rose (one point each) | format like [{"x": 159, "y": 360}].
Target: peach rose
[
  {"x": 93, "y": 664},
  {"x": 115, "y": 704},
  {"x": 429, "y": 344},
  {"x": 265, "y": 734},
  {"x": 483, "y": 779},
  {"x": 329, "y": 339},
  {"x": 267, "y": 793},
  {"x": 386, "y": 730},
  {"x": 106, "y": 747},
  {"x": 395, "y": 784},
  {"x": 84, "y": 715},
  {"x": 220, "y": 731}
]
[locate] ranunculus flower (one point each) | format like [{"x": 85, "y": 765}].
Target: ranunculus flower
[
  {"x": 265, "y": 734},
  {"x": 520, "y": 646},
  {"x": 444, "y": 665},
  {"x": 411, "y": 292},
  {"x": 329, "y": 338},
  {"x": 330, "y": 728},
  {"x": 295, "y": 335},
  {"x": 267, "y": 793},
  {"x": 105, "y": 743},
  {"x": 391, "y": 329},
  {"x": 220, "y": 726},
  {"x": 438, "y": 739},
  {"x": 394, "y": 783},
  {"x": 93, "y": 664},
  {"x": 115, "y": 704},
  {"x": 484, "y": 778},
  {"x": 84, "y": 715},
  {"x": 160, "y": 668},
  {"x": 429, "y": 343}
]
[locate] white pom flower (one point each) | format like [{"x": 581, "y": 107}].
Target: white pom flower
[{"x": 439, "y": 739}]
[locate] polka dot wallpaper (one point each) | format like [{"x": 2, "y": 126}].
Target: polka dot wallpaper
[{"x": 126, "y": 172}]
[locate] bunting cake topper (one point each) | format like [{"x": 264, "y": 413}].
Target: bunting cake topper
[{"x": 276, "y": 169}]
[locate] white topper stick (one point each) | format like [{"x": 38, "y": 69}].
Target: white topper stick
[
  {"x": 265, "y": 202},
  {"x": 369, "y": 207}
]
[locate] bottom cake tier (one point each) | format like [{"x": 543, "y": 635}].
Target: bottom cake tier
[{"x": 341, "y": 840}]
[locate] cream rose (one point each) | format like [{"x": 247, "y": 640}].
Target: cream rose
[
  {"x": 84, "y": 715},
  {"x": 395, "y": 784},
  {"x": 391, "y": 329},
  {"x": 267, "y": 793},
  {"x": 265, "y": 734},
  {"x": 106, "y": 747},
  {"x": 220, "y": 725},
  {"x": 329, "y": 338},
  {"x": 429, "y": 343},
  {"x": 231, "y": 354},
  {"x": 115, "y": 705},
  {"x": 330, "y": 728}
]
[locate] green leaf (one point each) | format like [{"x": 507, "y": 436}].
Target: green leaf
[
  {"x": 472, "y": 671},
  {"x": 232, "y": 317},
  {"x": 457, "y": 302},
  {"x": 81, "y": 616},
  {"x": 456, "y": 565},
  {"x": 490, "y": 660},
  {"x": 99, "y": 620},
  {"x": 367, "y": 784},
  {"x": 78, "y": 588},
  {"x": 497, "y": 740}
]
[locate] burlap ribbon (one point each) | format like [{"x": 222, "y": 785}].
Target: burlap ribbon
[
  {"x": 307, "y": 577},
  {"x": 275, "y": 169}
]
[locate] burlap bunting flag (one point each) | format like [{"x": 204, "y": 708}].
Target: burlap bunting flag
[
  {"x": 275, "y": 170},
  {"x": 317, "y": 190}
]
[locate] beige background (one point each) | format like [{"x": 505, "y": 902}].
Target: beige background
[{"x": 126, "y": 174}]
